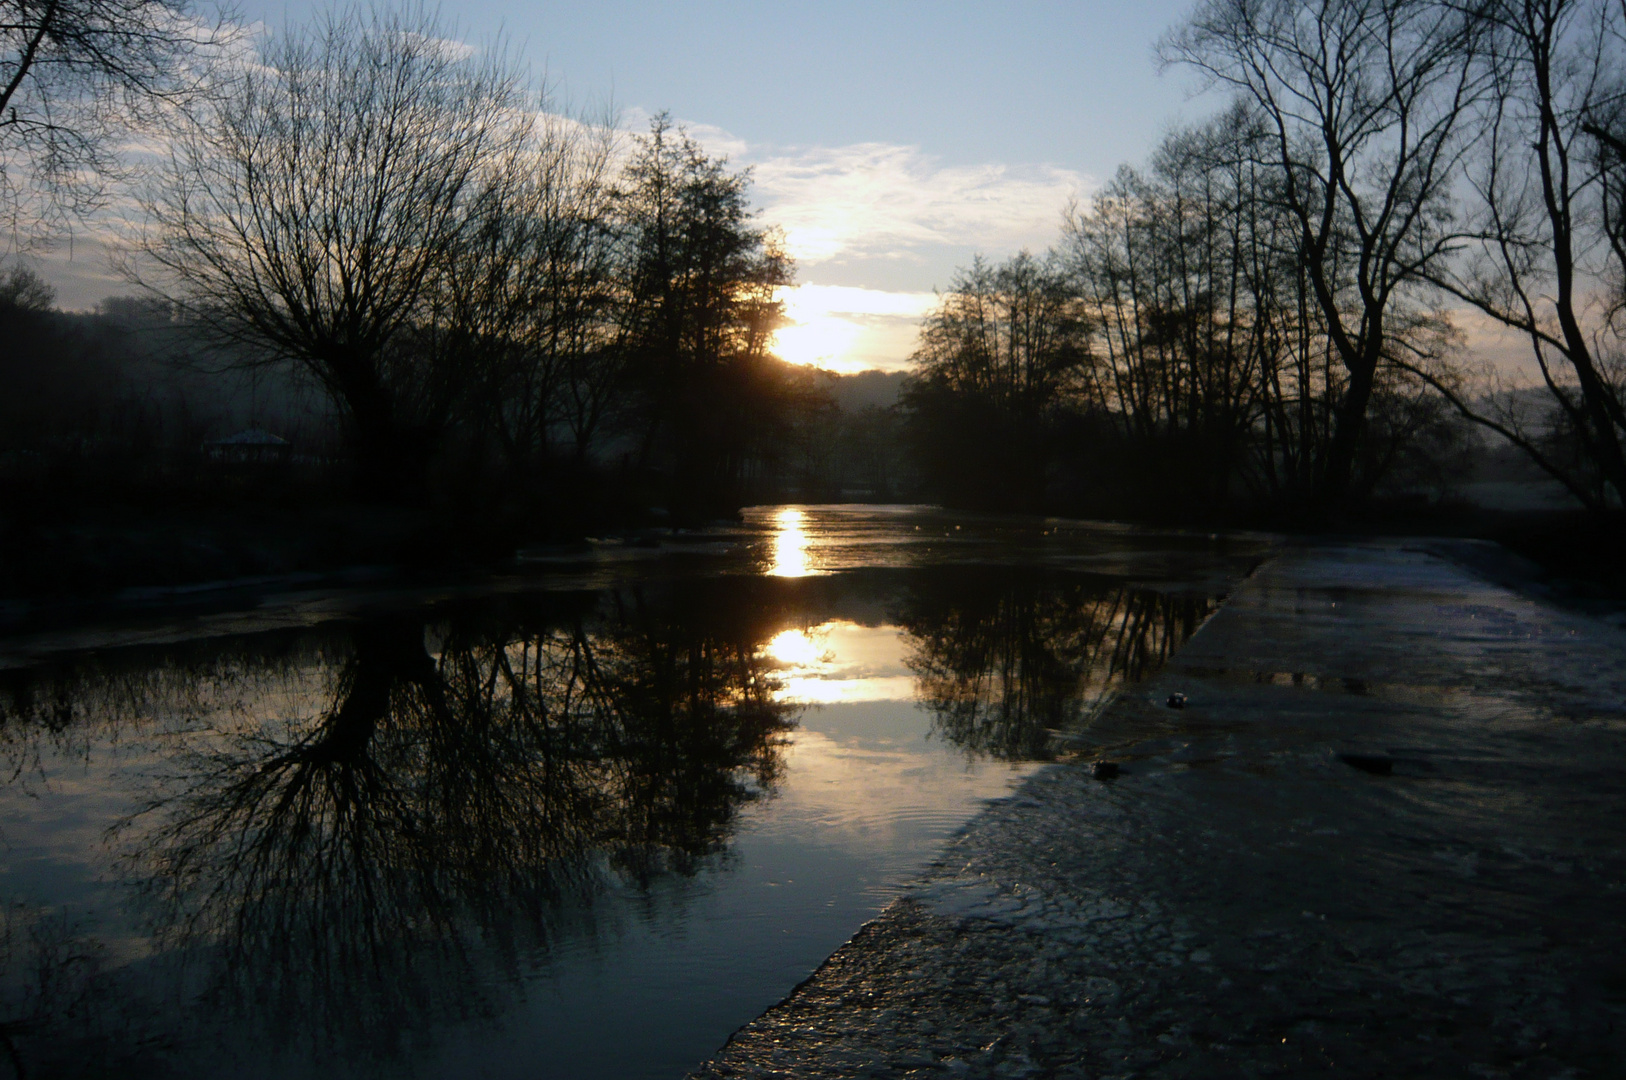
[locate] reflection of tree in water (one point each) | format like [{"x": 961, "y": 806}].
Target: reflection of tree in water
[
  {"x": 426, "y": 821},
  {"x": 60, "y": 709},
  {"x": 383, "y": 844},
  {"x": 1005, "y": 661},
  {"x": 64, "y": 1014}
]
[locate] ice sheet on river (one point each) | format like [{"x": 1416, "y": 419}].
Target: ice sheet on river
[{"x": 1386, "y": 836}]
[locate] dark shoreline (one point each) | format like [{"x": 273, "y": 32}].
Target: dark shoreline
[{"x": 114, "y": 561}]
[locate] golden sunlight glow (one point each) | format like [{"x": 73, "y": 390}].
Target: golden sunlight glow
[
  {"x": 823, "y": 341},
  {"x": 819, "y": 691},
  {"x": 839, "y": 662},
  {"x": 793, "y": 647},
  {"x": 813, "y": 243},
  {"x": 844, "y": 329},
  {"x": 790, "y": 544}
]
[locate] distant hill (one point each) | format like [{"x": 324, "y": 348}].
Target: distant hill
[{"x": 866, "y": 389}]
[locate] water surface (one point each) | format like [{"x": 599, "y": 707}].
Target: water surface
[{"x": 583, "y": 821}]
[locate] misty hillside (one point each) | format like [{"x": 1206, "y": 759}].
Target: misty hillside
[{"x": 867, "y": 389}]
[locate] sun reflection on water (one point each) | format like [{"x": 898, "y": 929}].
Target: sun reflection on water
[
  {"x": 838, "y": 662},
  {"x": 794, "y": 648},
  {"x": 790, "y": 545}
]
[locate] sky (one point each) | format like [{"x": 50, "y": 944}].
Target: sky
[{"x": 891, "y": 141}]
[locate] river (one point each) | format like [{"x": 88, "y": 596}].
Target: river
[{"x": 583, "y": 819}]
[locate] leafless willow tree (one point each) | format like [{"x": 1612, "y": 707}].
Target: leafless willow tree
[
  {"x": 75, "y": 76},
  {"x": 1366, "y": 103},
  {"x": 470, "y": 277},
  {"x": 313, "y": 211},
  {"x": 1548, "y": 178}
]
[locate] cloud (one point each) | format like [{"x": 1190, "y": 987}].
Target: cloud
[
  {"x": 804, "y": 302},
  {"x": 889, "y": 202}
]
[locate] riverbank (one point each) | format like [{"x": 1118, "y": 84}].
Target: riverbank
[{"x": 1385, "y": 836}]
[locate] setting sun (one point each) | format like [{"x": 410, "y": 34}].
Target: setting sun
[
  {"x": 844, "y": 329},
  {"x": 823, "y": 341}
]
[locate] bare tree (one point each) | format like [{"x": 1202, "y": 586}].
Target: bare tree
[
  {"x": 1366, "y": 103},
  {"x": 1004, "y": 353},
  {"x": 531, "y": 289},
  {"x": 1014, "y": 334},
  {"x": 1185, "y": 272},
  {"x": 74, "y": 75},
  {"x": 698, "y": 278},
  {"x": 308, "y": 215},
  {"x": 1548, "y": 180},
  {"x": 1214, "y": 370},
  {"x": 22, "y": 289}
]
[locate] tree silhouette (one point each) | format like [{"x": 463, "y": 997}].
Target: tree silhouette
[
  {"x": 700, "y": 279},
  {"x": 1547, "y": 179},
  {"x": 75, "y": 76},
  {"x": 1012, "y": 664},
  {"x": 309, "y": 213},
  {"x": 1366, "y": 105},
  {"x": 999, "y": 360},
  {"x": 355, "y": 873}
]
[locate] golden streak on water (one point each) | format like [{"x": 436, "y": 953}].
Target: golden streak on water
[
  {"x": 793, "y": 648},
  {"x": 819, "y": 691},
  {"x": 840, "y": 662},
  {"x": 790, "y": 545}
]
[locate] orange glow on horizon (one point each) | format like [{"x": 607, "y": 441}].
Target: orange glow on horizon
[
  {"x": 846, "y": 329},
  {"x": 823, "y": 341}
]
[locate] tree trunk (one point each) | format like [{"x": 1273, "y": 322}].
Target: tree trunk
[{"x": 1349, "y": 425}]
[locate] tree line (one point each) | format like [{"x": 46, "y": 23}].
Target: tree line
[
  {"x": 498, "y": 303},
  {"x": 507, "y": 308},
  {"x": 479, "y": 285},
  {"x": 1273, "y": 312}
]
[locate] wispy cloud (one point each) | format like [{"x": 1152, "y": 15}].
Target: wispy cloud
[
  {"x": 893, "y": 203},
  {"x": 888, "y": 202}
]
